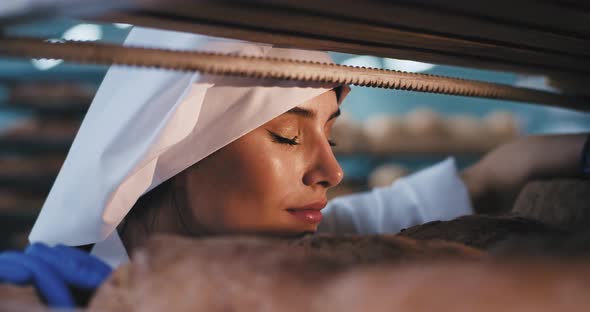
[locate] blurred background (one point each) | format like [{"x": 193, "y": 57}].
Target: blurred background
[{"x": 382, "y": 134}]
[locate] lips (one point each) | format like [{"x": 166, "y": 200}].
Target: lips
[{"x": 309, "y": 213}]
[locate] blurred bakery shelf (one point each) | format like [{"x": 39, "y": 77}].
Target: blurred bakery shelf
[
  {"x": 39, "y": 135},
  {"x": 424, "y": 149},
  {"x": 24, "y": 183},
  {"x": 33, "y": 145},
  {"x": 18, "y": 211},
  {"x": 35, "y": 173},
  {"x": 73, "y": 110},
  {"x": 48, "y": 99},
  {"x": 41, "y": 119},
  {"x": 423, "y": 132},
  {"x": 39, "y": 183},
  {"x": 15, "y": 229},
  {"x": 384, "y": 147}
]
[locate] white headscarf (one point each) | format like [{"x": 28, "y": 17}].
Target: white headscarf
[{"x": 144, "y": 126}]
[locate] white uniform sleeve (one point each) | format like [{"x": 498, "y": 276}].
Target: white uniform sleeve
[{"x": 435, "y": 193}]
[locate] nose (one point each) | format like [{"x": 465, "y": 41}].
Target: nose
[{"x": 324, "y": 170}]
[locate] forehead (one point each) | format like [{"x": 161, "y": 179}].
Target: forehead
[
  {"x": 321, "y": 107},
  {"x": 326, "y": 101}
]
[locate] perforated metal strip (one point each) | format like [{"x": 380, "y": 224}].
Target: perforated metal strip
[{"x": 259, "y": 67}]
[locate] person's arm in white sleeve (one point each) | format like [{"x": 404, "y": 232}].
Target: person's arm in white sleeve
[
  {"x": 495, "y": 181},
  {"x": 435, "y": 193}
]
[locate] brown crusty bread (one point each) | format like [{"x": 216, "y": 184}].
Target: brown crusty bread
[
  {"x": 268, "y": 273},
  {"x": 336, "y": 274}
]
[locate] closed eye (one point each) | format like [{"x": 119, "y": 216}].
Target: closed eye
[{"x": 283, "y": 140}]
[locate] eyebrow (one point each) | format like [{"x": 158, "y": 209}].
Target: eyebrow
[{"x": 306, "y": 113}]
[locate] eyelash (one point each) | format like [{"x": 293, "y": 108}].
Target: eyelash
[{"x": 283, "y": 140}]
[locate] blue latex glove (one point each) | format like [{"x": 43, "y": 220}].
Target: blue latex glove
[{"x": 53, "y": 270}]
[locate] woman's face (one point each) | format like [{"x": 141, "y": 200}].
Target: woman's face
[{"x": 272, "y": 180}]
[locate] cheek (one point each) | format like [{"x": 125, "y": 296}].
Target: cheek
[
  {"x": 267, "y": 170},
  {"x": 245, "y": 185}
]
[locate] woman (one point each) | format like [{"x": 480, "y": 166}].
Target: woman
[
  {"x": 195, "y": 155},
  {"x": 236, "y": 155}
]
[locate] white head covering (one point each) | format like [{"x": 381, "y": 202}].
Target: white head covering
[{"x": 145, "y": 126}]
